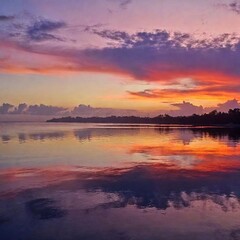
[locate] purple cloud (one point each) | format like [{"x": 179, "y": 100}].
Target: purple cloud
[
  {"x": 231, "y": 104},
  {"x": 159, "y": 56},
  {"x": 185, "y": 109},
  {"x": 233, "y": 6},
  {"x": 40, "y": 30},
  {"x": 6, "y": 17},
  {"x": 88, "y": 111},
  {"x": 6, "y": 108},
  {"x": 44, "y": 110},
  {"x": 21, "y": 108},
  {"x": 124, "y": 3}
]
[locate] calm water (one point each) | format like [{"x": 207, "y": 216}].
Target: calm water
[{"x": 118, "y": 182}]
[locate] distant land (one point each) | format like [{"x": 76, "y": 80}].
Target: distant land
[{"x": 232, "y": 118}]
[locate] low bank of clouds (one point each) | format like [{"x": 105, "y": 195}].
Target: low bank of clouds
[
  {"x": 187, "y": 108},
  {"x": 41, "y": 112}
]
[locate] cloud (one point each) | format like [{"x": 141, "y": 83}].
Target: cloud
[
  {"x": 148, "y": 56},
  {"x": 233, "y": 6},
  {"x": 88, "y": 111},
  {"x": 6, "y": 108},
  {"x": 161, "y": 38},
  {"x": 147, "y": 93},
  {"x": 231, "y": 104},
  {"x": 6, "y": 17},
  {"x": 124, "y": 3},
  {"x": 187, "y": 87},
  {"x": 224, "y": 107},
  {"x": 122, "y": 38},
  {"x": 44, "y": 110},
  {"x": 40, "y": 30},
  {"x": 23, "y": 108},
  {"x": 48, "y": 110},
  {"x": 185, "y": 109},
  {"x": 158, "y": 56}
]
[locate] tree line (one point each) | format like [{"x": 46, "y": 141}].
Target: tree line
[{"x": 213, "y": 118}]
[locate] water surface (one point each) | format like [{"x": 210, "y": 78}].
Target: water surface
[{"x": 86, "y": 181}]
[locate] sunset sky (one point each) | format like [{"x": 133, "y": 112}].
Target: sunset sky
[{"x": 149, "y": 56}]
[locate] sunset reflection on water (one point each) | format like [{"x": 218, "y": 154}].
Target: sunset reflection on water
[{"x": 119, "y": 182}]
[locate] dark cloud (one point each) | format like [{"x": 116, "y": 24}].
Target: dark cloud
[
  {"x": 23, "y": 108},
  {"x": 40, "y": 30},
  {"x": 233, "y": 6},
  {"x": 162, "y": 38},
  {"x": 123, "y": 38},
  {"x": 44, "y": 110},
  {"x": 124, "y": 3},
  {"x": 6, "y": 108},
  {"x": 6, "y": 17},
  {"x": 88, "y": 111},
  {"x": 160, "y": 55}
]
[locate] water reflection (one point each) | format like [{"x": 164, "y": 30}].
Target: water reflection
[
  {"x": 85, "y": 200},
  {"x": 5, "y": 138},
  {"x": 125, "y": 182},
  {"x": 91, "y": 133},
  {"x": 158, "y": 186},
  {"x": 44, "y": 208},
  {"x": 81, "y": 134},
  {"x": 40, "y": 136},
  {"x": 185, "y": 134},
  {"x": 232, "y": 134}
]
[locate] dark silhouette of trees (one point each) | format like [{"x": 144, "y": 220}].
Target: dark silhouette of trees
[{"x": 212, "y": 118}]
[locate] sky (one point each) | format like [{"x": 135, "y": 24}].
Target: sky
[{"x": 101, "y": 57}]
